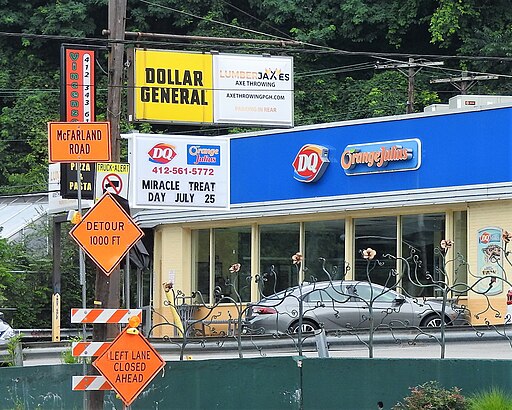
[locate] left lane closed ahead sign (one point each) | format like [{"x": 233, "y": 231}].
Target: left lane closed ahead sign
[{"x": 79, "y": 142}]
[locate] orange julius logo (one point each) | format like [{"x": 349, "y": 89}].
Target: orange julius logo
[{"x": 381, "y": 156}]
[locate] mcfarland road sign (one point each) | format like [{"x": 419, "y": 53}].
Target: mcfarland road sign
[
  {"x": 79, "y": 141},
  {"x": 129, "y": 364},
  {"x": 106, "y": 233}
]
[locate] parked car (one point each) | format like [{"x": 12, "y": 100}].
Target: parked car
[
  {"x": 6, "y": 331},
  {"x": 346, "y": 304}
]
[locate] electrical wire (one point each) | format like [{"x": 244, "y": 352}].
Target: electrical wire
[{"x": 209, "y": 20}]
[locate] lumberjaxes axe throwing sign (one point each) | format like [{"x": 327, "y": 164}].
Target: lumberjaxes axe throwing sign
[{"x": 178, "y": 172}]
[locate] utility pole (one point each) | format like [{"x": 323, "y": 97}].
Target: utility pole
[
  {"x": 107, "y": 288},
  {"x": 411, "y": 65},
  {"x": 464, "y": 82}
]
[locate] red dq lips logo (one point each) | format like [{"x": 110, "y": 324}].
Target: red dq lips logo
[
  {"x": 310, "y": 163},
  {"x": 162, "y": 153}
]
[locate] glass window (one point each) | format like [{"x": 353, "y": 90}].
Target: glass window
[
  {"x": 324, "y": 239},
  {"x": 379, "y": 234},
  {"x": 232, "y": 246},
  {"x": 422, "y": 234},
  {"x": 373, "y": 293},
  {"x": 278, "y": 243},
  {"x": 460, "y": 247},
  {"x": 201, "y": 263}
]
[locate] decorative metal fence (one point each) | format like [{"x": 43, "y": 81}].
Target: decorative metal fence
[{"x": 336, "y": 308}]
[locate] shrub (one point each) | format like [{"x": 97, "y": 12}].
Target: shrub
[
  {"x": 492, "y": 399},
  {"x": 14, "y": 351},
  {"x": 432, "y": 396},
  {"x": 66, "y": 355}
]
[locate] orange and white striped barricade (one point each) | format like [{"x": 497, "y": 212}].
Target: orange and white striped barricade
[
  {"x": 81, "y": 383},
  {"x": 112, "y": 316},
  {"x": 88, "y": 349},
  {"x": 84, "y": 349}
]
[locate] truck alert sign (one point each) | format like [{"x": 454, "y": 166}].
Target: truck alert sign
[{"x": 171, "y": 171}]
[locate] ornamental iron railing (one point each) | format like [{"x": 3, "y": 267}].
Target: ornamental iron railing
[{"x": 340, "y": 308}]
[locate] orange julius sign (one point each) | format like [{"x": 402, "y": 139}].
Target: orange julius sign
[
  {"x": 129, "y": 364},
  {"x": 106, "y": 233},
  {"x": 79, "y": 141}
]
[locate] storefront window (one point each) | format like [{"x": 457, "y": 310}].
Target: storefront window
[
  {"x": 379, "y": 234},
  {"x": 421, "y": 234},
  {"x": 201, "y": 263},
  {"x": 277, "y": 245},
  {"x": 460, "y": 249},
  {"x": 233, "y": 246},
  {"x": 324, "y": 239}
]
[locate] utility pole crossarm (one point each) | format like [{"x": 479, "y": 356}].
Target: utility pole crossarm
[
  {"x": 410, "y": 73},
  {"x": 464, "y": 82},
  {"x": 408, "y": 65},
  {"x": 465, "y": 78}
]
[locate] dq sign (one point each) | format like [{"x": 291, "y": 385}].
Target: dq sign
[{"x": 310, "y": 163}]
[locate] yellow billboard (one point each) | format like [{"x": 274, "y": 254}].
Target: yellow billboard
[{"x": 171, "y": 86}]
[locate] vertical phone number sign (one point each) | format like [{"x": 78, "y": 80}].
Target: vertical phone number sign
[
  {"x": 79, "y": 84},
  {"x": 187, "y": 172}
]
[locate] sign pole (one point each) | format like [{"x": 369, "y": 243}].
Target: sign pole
[{"x": 81, "y": 264}]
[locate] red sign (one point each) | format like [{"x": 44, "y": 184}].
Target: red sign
[
  {"x": 79, "y": 85},
  {"x": 129, "y": 365},
  {"x": 106, "y": 233}
]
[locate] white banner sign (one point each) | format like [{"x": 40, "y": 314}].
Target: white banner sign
[
  {"x": 173, "y": 171},
  {"x": 56, "y": 203},
  {"x": 253, "y": 90}
]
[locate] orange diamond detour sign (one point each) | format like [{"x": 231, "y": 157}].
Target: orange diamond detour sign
[
  {"x": 129, "y": 364},
  {"x": 106, "y": 233}
]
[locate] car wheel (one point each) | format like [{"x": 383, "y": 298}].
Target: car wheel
[
  {"x": 431, "y": 321},
  {"x": 307, "y": 326}
]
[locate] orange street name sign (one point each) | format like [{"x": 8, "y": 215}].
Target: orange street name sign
[{"x": 79, "y": 141}]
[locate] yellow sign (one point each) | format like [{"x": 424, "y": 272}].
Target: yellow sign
[{"x": 173, "y": 86}]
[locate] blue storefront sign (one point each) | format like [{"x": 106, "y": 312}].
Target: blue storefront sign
[{"x": 431, "y": 152}]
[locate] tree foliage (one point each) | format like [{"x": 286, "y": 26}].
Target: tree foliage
[{"x": 26, "y": 277}]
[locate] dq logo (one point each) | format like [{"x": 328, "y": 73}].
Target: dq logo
[
  {"x": 485, "y": 237},
  {"x": 310, "y": 163},
  {"x": 162, "y": 153},
  {"x": 493, "y": 236}
]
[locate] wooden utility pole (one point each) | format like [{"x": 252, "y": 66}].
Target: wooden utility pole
[
  {"x": 107, "y": 288},
  {"x": 465, "y": 81},
  {"x": 411, "y": 65}
]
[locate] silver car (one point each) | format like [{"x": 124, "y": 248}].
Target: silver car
[{"x": 346, "y": 305}]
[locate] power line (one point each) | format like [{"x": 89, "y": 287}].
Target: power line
[{"x": 319, "y": 50}]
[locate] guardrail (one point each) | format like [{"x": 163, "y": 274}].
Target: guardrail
[{"x": 46, "y": 334}]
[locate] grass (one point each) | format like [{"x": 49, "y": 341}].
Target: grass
[{"x": 492, "y": 399}]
